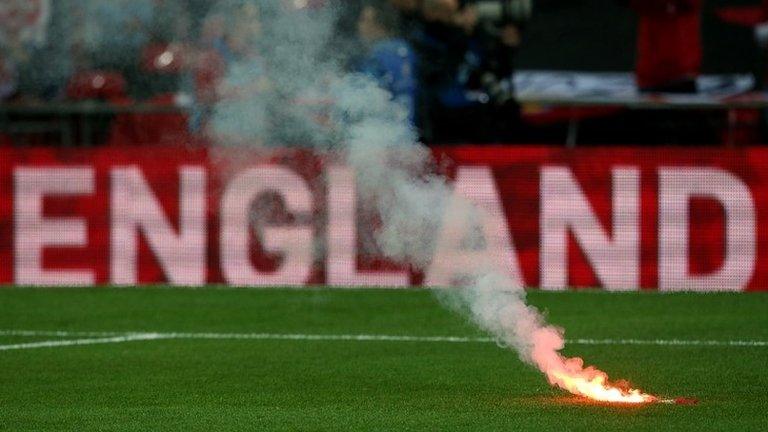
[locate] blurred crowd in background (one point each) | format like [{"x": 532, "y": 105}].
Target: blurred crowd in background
[{"x": 449, "y": 63}]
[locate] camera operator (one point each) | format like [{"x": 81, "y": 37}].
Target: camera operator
[
  {"x": 474, "y": 99},
  {"x": 496, "y": 26}
]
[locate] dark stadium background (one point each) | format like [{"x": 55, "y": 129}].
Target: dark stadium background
[{"x": 211, "y": 233}]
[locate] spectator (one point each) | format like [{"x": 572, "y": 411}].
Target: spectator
[
  {"x": 116, "y": 30},
  {"x": 240, "y": 113},
  {"x": 9, "y": 78},
  {"x": 23, "y": 30},
  {"x": 440, "y": 11},
  {"x": 23, "y": 25},
  {"x": 405, "y": 6},
  {"x": 441, "y": 48},
  {"x": 213, "y": 35},
  {"x": 761, "y": 29},
  {"x": 410, "y": 16},
  {"x": 208, "y": 67},
  {"x": 668, "y": 45},
  {"x": 389, "y": 58},
  {"x": 165, "y": 60}
]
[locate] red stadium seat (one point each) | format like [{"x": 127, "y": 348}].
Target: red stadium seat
[
  {"x": 94, "y": 84},
  {"x": 163, "y": 58},
  {"x": 152, "y": 128}
]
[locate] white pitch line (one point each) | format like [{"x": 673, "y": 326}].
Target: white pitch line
[
  {"x": 329, "y": 337},
  {"x": 75, "y": 342},
  {"x": 454, "y": 339},
  {"x": 63, "y": 334},
  {"x": 669, "y": 342},
  {"x": 361, "y": 337},
  {"x": 252, "y": 336}
]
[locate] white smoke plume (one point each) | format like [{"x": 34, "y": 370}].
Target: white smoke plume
[{"x": 397, "y": 178}]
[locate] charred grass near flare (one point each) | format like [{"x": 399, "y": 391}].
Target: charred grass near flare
[{"x": 329, "y": 384}]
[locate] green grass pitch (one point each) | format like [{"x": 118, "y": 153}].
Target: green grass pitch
[{"x": 216, "y": 383}]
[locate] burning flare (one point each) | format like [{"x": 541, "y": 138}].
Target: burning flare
[
  {"x": 593, "y": 383},
  {"x": 571, "y": 375}
]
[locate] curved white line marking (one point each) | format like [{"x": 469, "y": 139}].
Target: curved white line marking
[
  {"x": 76, "y": 342},
  {"x": 115, "y": 337}
]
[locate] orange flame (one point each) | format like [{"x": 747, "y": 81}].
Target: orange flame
[{"x": 592, "y": 383}]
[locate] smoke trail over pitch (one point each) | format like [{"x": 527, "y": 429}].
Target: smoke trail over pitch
[
  {"x": 397, "y": 177},
  {"x": 417, "y": 206}
]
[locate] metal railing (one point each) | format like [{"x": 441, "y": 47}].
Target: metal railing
[{"x": 74, "y": 123}]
